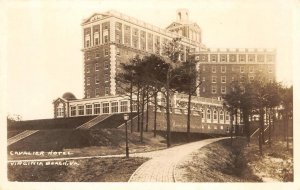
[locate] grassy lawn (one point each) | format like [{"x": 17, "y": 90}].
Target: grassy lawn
[
  {"x": 87, "y": 170},
  {"x": 217, "y": 162}
]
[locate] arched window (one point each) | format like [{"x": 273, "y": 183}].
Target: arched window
[
  {"x": 221, "y": 116},
  {"x": 208, "y": 114},
  {"x": 202, "y": 113},
  {"x": 227, "y": 116},
  {"x": 215, "y": 115}
]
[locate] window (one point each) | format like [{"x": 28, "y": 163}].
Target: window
[
  {"x": 88, "y": 70},
  {"x": 208, "y": 114},
  {"x": 96, "y": 41},
  {"x": 223, "y": 58},
  {"x": 87, "y": 43},
  {"x": 203, "y": 78},
  {"x": 118, "y": 26},
  {"x": 97, "y": 80},
  {"x": 97, "y": 54},
  {"x": 251, "y": 58},
  {"x": 106, "y": 77},
  {"x": 223, "y": 79},
  {"x": 221, "y": 116},
  {"x": 106, "y": 91},
  {"x": 97, "y": 108},
  {"x": 135, "y": 31},
  {"x": 134, "y": 106},
  {"x": 203, "y": 89},
  {"x": 227, "y": 116},
  {"x": 251, "y": 78},
  {"x": 106, "y": 39},
  {"x": 106, "y": 65},
  {"x": 232, "y": 79},
  {"x": 97, "y": 92},
  {"x": 242, "y": 69},
  {"x": 89, "y": 109},
  {"x": 73, "y": 110},
  {"x": 260, "y": 58},
  {"x": 213, "y": 58},
  {"x": 96, "y": 66},
  {"x": 114, "y": 107},
  {"x": 270, "y": 80},
  {"x": 80, "y": 110},
  {"x": 105, "y": 52},
  {"x": 242, "y": 58},
  {"x": 105, "y": 106},
  {"x": 213, "y": 89},
  {"x": 124, "y": 106},
  {"x": 223, "y": 69},
  {"x": 118, "y": 40},
  {"x": 117, "y": 51},
  {"x": 88, "y": 93},
  {"x": 270, "y": 70},
  {"x": 202, "y": 114},
  {"x": 251, "y": 69},
  {"x": 215, "y": 115},
  {"x": 232, "y": 58},
  {"x": 88, "y": 81},
  {"x": 223, "y": 89},
  {"x": 213, "y": 69},
  {"x": 60, "y": 112},
  {"x": 203, "y": 68},
  {"x": 214, "y": 79},
  {"x": 242, "y": 78}
]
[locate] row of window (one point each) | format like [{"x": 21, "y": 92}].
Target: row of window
[
  {"x": 97, "y": 79},
  {"x": 215, "y": 116},
  {"x": 214, "y": 89},
  {"x": 242, "y": 69},
  {"x": 97, "y": 92},
  {"x": 99, "y": 108},
  {"x": 96, "y": 67},
  {"x": 235, "y": 58}
]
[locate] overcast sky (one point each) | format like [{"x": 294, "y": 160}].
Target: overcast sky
[{"x": 43, "y": 40}]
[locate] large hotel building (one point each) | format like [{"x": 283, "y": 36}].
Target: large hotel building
[{"x": 111, "y": 38}]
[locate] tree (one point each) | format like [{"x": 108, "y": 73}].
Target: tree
[
  {"x": 172, "y": 53},
  {"x": 186, "y": 82},
  {"x": 232, "y": 103},
  {"x": 287, "y": 105}
]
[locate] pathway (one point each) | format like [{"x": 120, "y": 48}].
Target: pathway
[{"x": 161, "y": 168}]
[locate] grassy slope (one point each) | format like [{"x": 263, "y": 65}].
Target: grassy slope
[
  {"x": 217, "y": 162},
  {"x": 88, "y": 170}
]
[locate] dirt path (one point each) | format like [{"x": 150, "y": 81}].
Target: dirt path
[{"x": 161, "y": 168}]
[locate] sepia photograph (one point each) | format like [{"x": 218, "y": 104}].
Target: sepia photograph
[{"x": 194, "y": 93}]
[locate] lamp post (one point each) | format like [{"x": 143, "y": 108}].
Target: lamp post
[{"x": 126, "y": 117}]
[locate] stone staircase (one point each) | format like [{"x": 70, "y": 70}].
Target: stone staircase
[
  {"x": 93, "y": 122},
  {"x": 20, "y": 136}
]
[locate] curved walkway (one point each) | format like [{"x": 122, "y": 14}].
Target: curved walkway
[{"x": 161, "y": 168}]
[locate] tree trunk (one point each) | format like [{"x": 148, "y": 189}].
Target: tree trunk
[
  {"x": 236, "y": 123},
  {"x": 155, "y": 113},
  {"x": 287, "y": 131},
  {"x": 231, "y": 128},
  {"x": 246, "y": 123},
  {"x": 189, "y": 117},
  {"x": 143, "y": 107},
  {"x": 138, "y": 107},
  {"x": 147, "y": 109},
  {"x": 269, "y": 118},
  {"x": 168, "y": 109},
  {"x": 261, "y": 124},
  {"x": 131, "y": 111}
]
